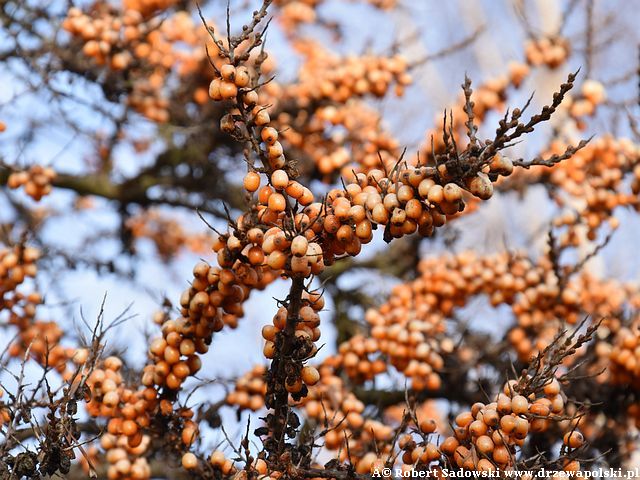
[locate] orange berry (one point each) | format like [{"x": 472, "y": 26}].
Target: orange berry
[
  {"x": 242, "y": 76},
  {"x": 261, "y": 116},
  {"x": 299, "y": 246},
  {"x": 276, "y": 260},
  {"x": 264, "y": 194},
  {"x": 428, "y": 426},
  {"x": 269, "y": 349},
  {"x": 295, "y": 190},
  {"x": 279, "y": 179},
  {"x": 552, "y": 388},
  {"x": 573, "y": 439},
  {"x": 521, "y": 427},
  {"x": 251, "y": 182},
  {"x": 310, "y": 375},
  {"x": 256, "y": 255},
  {"x": 452, "y": 193},
  {"x": 228, "y": 72},
  {"x": 277, "y": 202},
  {"x": 501, "y": 455},
  {"x": 129, "y": 428},
  {"x": 217, "y": 458},
  {"x": 275, "y": 150},
  {"x": 519, "y": 405},
  {"x": 571, "y": 466},
  {"x": 189, "y": 461},
  {"x": 477, "y": 428},
  {"x": 484, "y": 444},
  {"x": 228, "y": 90},
  {"x": 269, "y": 332},
  {"x": 491, "y": 418},
  {"x": 269, "y": 135},
  {"x": 464, "y": 419},
  {"x": 508, "y": 423},
  {"x": 481, "y": 186}
]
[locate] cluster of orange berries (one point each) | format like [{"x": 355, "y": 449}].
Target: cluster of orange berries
[
  {"x": 220, "y": 462},
  {"x": 330, "y": 401},
  {"x": 103, "y": 34},
  {"x": 129, "y": 412},
  {"x": 370, "y": 145},
  {"x": 623, "y": 355},
  {"x": 125, "y": 461},
  {"x": 331, "y": 78},
  {"x": 302, "y": 242},
  {"x": 214, "y": 299},
  {"x": 354, "y": 358},
  {"x": 146, "y": 7},
  {"x": 410, "y": 201},
  {"x": 267, "y": 247},
  {"x": 307, "y": 325},
  {"x": 487, "y": 437},
  {"x": 40, "y": 338},
  {"x": 327, "y": 76},
  {"x": 408, "y": 332},
  {"x": 591, "y": 95},
  {"x": 126, "y": 40},
  {"x": 549, "y": 51},
  {"x": 293, "y": 13},
  {"x": 36, "y": 181},
  {"x": 110, "y": 397},
  {"x": 167, "y": 234},
  {"x": 531, "y": 288},
  {"x": 175, "y": 354},
  {"x": 5, "y": 413},
  {"x": 249, "y": 390},
  {"x": 594, "y": 183},
  {"x": 16, "y": 264},
  {"x": 227, "y": 85},
  {"x": 327, "y": 400},
  {"x": 412, "y": 343}
]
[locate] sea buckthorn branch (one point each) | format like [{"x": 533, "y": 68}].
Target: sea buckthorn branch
[
  {"x": 87, "y": 185},
  {"x": 46, "y": 416},
  {"x": 539, "y": 374},
  {"x": 490, "y": 435},
  {"x": 133, "y": 191},
  {"x": 553, "y": 159},
  {"x": 504, "y": 137},
  {"x": 230, "y": 85},
  {"x": 512, "y": 266},
  {"x": 281, "y": 421}
]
